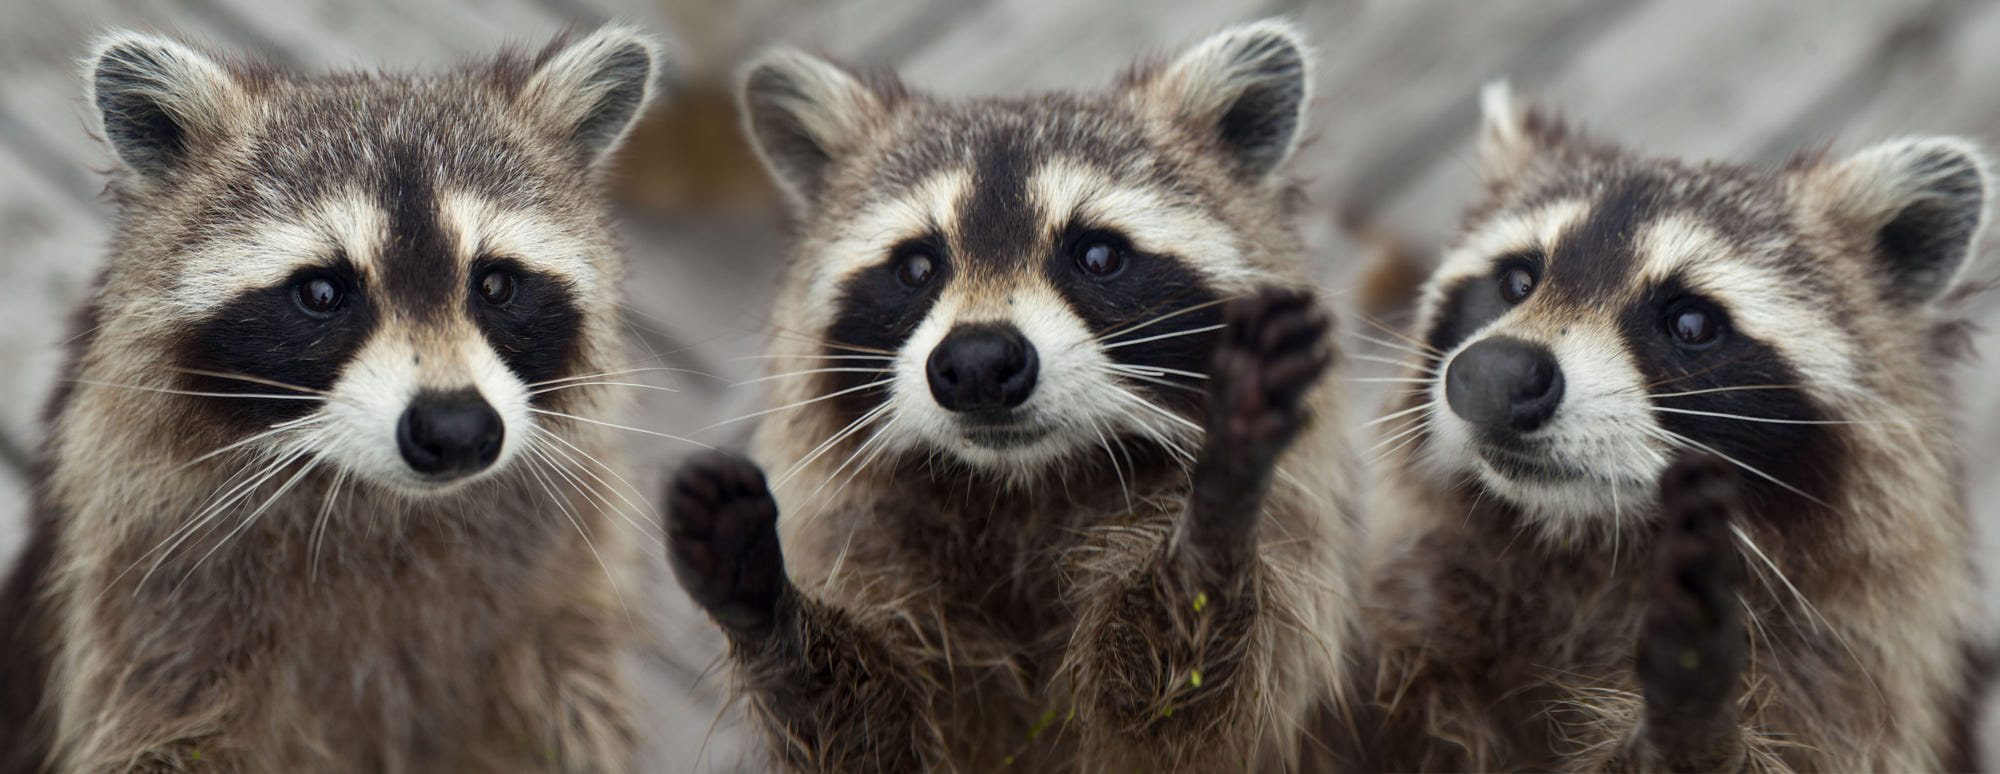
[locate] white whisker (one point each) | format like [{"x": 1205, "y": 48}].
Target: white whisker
[
  {"x": 1150, "y": 370},
  {"x": 199, "y": 393},
  {"x": 809, "y": 371},
  {"x": 1405, "y": 412},
  {"x": 1677, "y": 437},
  {"x": 619, "y": 426},
  {"x": 832, "y": 440},
  {"x": 616, "y": 372},
  {"x": 1726, "y": 389},
  {"x": 247, "y": 440},
  {"x": 646, "y": 512},
  {"x": 573, "y": 385},
  {"x": 247, "y": 378},
  {"x": 1721, "y": 415},
  {"x": 1160, "y": 336},
  {"x": 1116, "y": 332},
  {"x": 247, "y": 520},
  {"x": 563, "y": 508},
  {"x": 797, "y": 404}
]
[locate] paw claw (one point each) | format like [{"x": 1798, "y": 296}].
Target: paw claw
[{"x": 722, "y": 541}]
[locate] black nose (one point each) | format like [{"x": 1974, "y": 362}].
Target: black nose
[
  {"x": 982, "y": 368},
  {"x": 450, "y": 434},
  {"x": 1504, "y": 384}
]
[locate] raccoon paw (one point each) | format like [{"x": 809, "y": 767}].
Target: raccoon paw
[
  {"x": 1271, "y": 350},
  {"x": 1273, "y": 347},
  {"x": 1693, "y": 646},
  {"x": 722, "y": 540}
]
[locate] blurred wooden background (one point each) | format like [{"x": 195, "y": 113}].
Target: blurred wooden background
[{"x": 1389, "y": 160}]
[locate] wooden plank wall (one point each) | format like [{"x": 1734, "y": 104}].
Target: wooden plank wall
[{"x": 1389, "y": 158}]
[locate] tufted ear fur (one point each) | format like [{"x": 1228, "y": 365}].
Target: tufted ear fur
[
  {"x": 1922, "y": 201},
  {"x": 803, "y": 112},
  {"x": 1247, "y": 86},
  {"x": 156, "y": 98},
  {"x": 590, "y": 91},
  {"x": 1513, "y": 132}
]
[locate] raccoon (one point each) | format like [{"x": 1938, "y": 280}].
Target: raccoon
[
  {"x": 1675, "y": 488},
  {"x": 322, "y": 490},
  {"x": 1055, "y": 479}
]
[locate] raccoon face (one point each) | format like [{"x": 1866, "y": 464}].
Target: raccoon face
[
  {"x": 1007, "y": 284},
  {"x": 1603, "y": 312},
  {"x": 385, "y": 276}
]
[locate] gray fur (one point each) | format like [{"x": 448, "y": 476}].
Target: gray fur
[
  {"x": 1508, "y": 629},
  {"x": 1044, "y": 614},
  {"x": 327, "y": 620}
]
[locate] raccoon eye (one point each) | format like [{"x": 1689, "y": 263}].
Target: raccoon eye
[
  {"x": 497, "y": 287},
  {"x": 1694, "y": 327},
  {"x": 1516, "y": 282},
  {"x": 1099, "y": 259},
  {"x": 319, "y": 296},
  {"x": 916, "y": 269}
]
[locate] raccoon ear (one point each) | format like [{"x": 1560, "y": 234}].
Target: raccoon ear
[
  {"x": 802, "y": 112},
  {"x": 1923, "y": 200},
  {"x": 590, "y": 91},
  {"x": 155, "y": 98},
  {"x": 1247, "y": 84},
  {"x": 1510, "y": 132}
]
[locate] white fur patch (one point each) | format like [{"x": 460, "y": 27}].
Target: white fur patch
[
  {"x": 1762, "y": 301},
  {"x": 1604, "y": 428},
  {"x": 264, "y": 253},
  {"x": 1474, "y": 254},
  {"x": 367, "y": 404},
  {"x": 547, "y": 244},
  {"x": 1066, "y": 191},
  {"x": 1080, "y": 399},
  {"x": 867, "y": 239}
]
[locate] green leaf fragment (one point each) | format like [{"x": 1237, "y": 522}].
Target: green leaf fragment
[{"x": 1047, "y": 718}]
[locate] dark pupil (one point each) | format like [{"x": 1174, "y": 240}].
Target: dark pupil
[
  {"x": 497, "y": 287},
  {"x": 1694, "y": 327},
  {"x": 319, "y": 295},
  {"x": 916, "y": 270},
  {"x": 1516, "y": 284},
  {"x": 1101, "y": 259}
]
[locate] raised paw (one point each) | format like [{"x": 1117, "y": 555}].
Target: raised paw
[
  {"x": 722, "y": 540},
  {"x": 1273, "y": 347},
  {"x": 1271, "y": 350},
  {"x": 1693, "y": 647}
]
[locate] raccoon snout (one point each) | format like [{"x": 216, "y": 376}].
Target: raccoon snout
[
  {"x": 1504, "y": 384},
  {"x": 982, "y": 368},
  {"x": 450, "y": 434}
]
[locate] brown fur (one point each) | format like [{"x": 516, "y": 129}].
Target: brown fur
[
  {"x": 344, "y": 626},
  {"x": 959, "y": 618},
  {"x": 1506, "y": 640}
]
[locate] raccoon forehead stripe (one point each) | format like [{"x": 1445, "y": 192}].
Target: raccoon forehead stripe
[
  {"x": 997, "y": 219},
  {"x": 1596, "y": 258},
  {"x": 484, "y": 226},
  {"x": 864, "y": 240},
  {"x": 1068, "y": 191},
  {"x": 1762, "y": 300},
  {"x": 1537, "y": 229},
  {"x": 266, "y": 252},
  {"x": 1671, "y": 244},
  {"x": 420, "y": 254}
]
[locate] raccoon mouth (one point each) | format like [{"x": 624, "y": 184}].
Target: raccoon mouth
[
  {"x": 1004, "y": 434},
  {"x": 1528, "y": 463}
]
